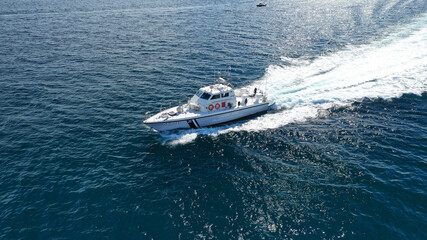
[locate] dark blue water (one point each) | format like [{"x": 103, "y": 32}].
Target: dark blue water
[{"x": 343, "y": 155}]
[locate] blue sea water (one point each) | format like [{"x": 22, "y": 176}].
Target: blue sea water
[{"x": 342, "y": 156}]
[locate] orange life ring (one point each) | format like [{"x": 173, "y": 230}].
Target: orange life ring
[
  {"x": 217, "y": 106},
  {"x": 211, "y": 107}
]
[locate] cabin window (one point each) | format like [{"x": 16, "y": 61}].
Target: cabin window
[
  {"x": 216, "y": 96},
  {"x": 199, "y": 93},
  {"x": 205, "y": 96},
  {"x": 225, "y": 94}
]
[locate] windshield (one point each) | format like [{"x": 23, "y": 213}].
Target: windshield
[
  {"x": 216, "y": 96},
  {"x": 205, "y": 96},
  {"x": 199, "y": 93}
]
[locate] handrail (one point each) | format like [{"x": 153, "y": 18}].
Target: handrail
[{"x": 147, "y": 115}]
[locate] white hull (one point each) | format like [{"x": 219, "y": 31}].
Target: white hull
[{"x": 209, "y": 119}]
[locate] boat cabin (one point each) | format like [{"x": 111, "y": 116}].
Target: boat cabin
[{"x": 213, "y": 98}]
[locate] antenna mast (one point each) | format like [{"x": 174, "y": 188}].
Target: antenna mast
[{"x": 228, "y": 72}]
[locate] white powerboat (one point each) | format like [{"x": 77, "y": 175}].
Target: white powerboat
[{"x": 211, "y": 105}]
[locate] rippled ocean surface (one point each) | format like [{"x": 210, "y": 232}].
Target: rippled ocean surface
[{"x": 342, "y": 156}]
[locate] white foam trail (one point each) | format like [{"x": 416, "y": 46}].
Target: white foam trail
[
  {"x": 182, "y": 138},
  {"x": 383, "y": 69}
]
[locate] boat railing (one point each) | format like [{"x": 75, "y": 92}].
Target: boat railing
[
  {"x": 147, "y": 115},
  {"x": 161, "y": 109}
]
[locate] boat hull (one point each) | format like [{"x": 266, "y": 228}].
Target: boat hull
[{"x": 209, "y": 119}]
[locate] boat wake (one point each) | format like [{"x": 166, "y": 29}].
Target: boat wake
[{"x": 303, "y": 89}]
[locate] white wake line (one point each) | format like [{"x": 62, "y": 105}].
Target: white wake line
[{"x": 383, "y": 69}]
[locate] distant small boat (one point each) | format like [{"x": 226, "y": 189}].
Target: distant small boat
[{"x": 261, "y": 5}]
